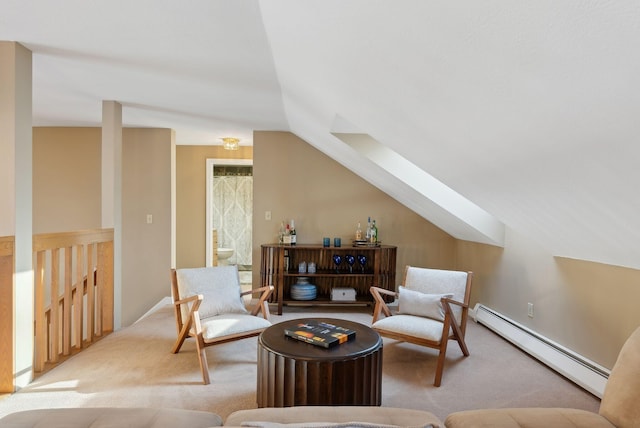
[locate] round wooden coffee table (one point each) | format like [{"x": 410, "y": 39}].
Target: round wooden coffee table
[{"x": 295, "y": 373}]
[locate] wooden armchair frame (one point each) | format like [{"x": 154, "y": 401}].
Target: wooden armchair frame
[
  {"x": 192, "y": 327},
  {"x": 452, "y": 328}
]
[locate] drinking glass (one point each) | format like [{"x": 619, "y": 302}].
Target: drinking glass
[
  {"x": 350, "y": 261},
  {"x": 362, "y": 259},
  {"x": 337, "y": 259}
]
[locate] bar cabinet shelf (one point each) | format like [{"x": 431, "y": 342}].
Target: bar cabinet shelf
[{"x": 279, "y": 267}]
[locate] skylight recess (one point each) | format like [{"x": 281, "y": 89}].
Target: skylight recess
[{"x": 425, "y": 184}]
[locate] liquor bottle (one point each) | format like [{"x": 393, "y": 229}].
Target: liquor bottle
[
  {"x": 281, "y": 233},
  {"x": 374, "y": 232},
  {"x": 358, "y": 233},
  {"x": 368, "y": 234},
  {"x": 287, "y": 235},
  {"x": 293, "y": 233}
]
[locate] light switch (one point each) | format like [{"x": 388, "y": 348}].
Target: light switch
[
  {"x": 267, "y": 215},
  {"x": 149, "y": 218}
]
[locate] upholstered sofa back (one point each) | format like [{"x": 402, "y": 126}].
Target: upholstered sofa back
[{"x": 621, "y": 400}]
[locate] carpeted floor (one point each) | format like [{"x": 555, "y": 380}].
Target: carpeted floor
[{"x": 134, "y": 367}]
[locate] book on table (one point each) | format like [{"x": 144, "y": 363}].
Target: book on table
[{"x": 320, "y": 333}]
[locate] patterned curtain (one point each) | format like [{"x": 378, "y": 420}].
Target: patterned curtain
[{"x": 232, "y": 211}]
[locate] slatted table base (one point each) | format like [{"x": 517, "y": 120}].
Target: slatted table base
[{"x": 291, "y": 380}]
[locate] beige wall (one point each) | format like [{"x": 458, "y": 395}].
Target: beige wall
[
  {"x": 590, "y": 308},
  {"x": 66, "y": 179},
  {"x": 292, "y": 179},
  {"x": 323, "y": 197},
  {"x": 146, "y": 248},
  {"x": 191, "y": 199}
]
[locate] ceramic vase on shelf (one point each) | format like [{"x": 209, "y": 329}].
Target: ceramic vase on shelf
[{"x": 303, "y": 290}]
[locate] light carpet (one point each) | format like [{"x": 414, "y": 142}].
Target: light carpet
[{"x": 134, "y": 367}]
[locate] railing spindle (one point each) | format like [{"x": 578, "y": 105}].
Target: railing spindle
[
  {"x": 91, "y": 309},
  {"x": 54, "y": 327},
  {"x": 67, "y": 301},
  {"x": 40, "y": 314},
  {"x": 78, "y": 299}
]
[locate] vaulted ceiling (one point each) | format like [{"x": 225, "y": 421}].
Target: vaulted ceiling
[{"x": 480, "y": 116}]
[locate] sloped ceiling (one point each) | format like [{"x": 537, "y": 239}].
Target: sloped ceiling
[{"x": 529, "y": 110}]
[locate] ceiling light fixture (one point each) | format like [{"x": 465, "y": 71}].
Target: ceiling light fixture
[{"x": 230, "y": 143}]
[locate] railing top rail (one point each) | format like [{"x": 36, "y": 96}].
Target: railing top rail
[{"x": 47, "y": 241}]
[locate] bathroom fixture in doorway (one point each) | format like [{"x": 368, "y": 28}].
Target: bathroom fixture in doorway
[
  {"x": 229, "y": 210},
  {"x": 223, "y": 255}
]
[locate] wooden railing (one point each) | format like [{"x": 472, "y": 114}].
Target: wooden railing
[{"x": 73, "y": 292}]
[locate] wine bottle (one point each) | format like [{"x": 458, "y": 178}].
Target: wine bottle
[
  {"x": 286, "y": 239},
  {"x": 293, "y": 233},
  {"x": 374, "y": 232}
]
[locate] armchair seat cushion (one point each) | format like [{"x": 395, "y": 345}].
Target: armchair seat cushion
[
  {"x": 214, "y": 328},
  {"x": 409, "y": 325},
  {"x": 527, "y": 418}
]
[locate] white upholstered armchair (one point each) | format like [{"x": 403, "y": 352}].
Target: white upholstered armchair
[
  {"x": 432, "y": 309},
  {"x": 208, "y": 305}
]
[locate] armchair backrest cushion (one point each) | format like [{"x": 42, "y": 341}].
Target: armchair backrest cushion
[
  {"x": 621, "y": 398},
  {"x": 219, "y": 286},
  {"x": 437, "y": 281},
  {"x": 413, "y": 302}
]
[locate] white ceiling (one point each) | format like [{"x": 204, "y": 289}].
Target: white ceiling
[{"x": 530, "y": 110}]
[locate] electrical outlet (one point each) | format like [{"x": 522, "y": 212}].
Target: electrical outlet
[
  {"x": 267, "y": 215},
  {"x": 149, "y": 218},
  {"x": 530, "y": 310}
]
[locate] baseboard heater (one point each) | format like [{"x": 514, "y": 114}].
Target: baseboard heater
[{"x": 574, "y": 367}]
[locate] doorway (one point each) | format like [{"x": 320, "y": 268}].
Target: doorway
[{"x": 229, "y": 207}]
